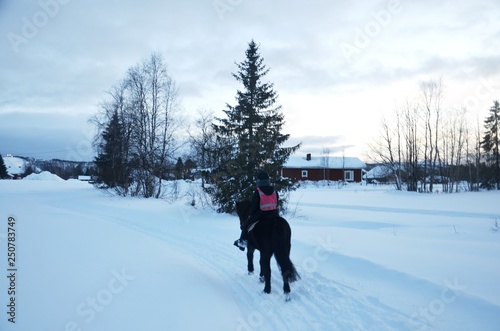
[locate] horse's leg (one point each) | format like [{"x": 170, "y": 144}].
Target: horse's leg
[
  {"x": 265, "y": 262},
  {"x": 286, "y": 286},
  {"x": 286, "y": 273},
  {"x": 250, "y": 251},
  {"x": 282, "y": 257},
  {"x": 261, "y": 275}
]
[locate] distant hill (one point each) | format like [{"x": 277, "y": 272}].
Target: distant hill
[{"x": 19, "y": 166}]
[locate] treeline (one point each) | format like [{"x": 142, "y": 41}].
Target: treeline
[
  {"x": 66, "y": 169},
  {"x": 423, "y": 143},
  {"x": 62, "y": 168}
]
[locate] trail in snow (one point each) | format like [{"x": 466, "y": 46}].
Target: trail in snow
[
  {"x": 433, "y": 212},
  {"x": 321, "y": 304}
]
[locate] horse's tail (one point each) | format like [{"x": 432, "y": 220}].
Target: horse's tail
[
  {"x": 287, "y": 268},
  {"x": 282, "y": 246}
]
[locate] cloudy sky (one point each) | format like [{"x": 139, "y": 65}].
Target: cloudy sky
[{"x": 336, "y": 65}]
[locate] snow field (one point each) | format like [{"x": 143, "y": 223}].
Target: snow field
[{"x": 370, "y": 259}]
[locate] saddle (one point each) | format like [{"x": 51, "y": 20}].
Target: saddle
[
  {"x": 260, "y": 217},
  {"x": 251, "y": 226}
]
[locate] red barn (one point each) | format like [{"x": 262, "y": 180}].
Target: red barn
[{"x": 334, "y": 168}]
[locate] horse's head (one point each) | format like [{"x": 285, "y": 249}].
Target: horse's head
[{"x": 243, "y": 210}]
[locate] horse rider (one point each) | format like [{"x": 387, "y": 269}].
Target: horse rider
[{"x": 264, "y": 207}]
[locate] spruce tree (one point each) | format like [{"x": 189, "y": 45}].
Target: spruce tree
[
  {"x": 491, "y": 141},
  {"x": 250, "y": 137},
  {"x": 179, "y": 169},
  {"x": 110, "y": 162},
  {"x": 3, "y": 169},
  {"x": 189, "y": 165}
]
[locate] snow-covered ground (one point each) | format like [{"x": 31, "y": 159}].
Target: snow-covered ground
[{"x": 370, "y": 258}]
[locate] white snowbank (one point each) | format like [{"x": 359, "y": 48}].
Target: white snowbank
[{"x": 44, "y": 175}]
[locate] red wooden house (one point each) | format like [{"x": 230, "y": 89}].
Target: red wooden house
[{"x": 315, "y": 168}]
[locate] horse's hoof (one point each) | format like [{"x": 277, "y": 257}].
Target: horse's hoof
[
  {"x": 262, "y": 279},
  {"x": 250, "y": 273},
  {"x": 267, "y": 291},
  {"x": 287, "y": 297}
]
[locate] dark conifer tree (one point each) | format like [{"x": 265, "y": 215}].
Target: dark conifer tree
[
  {"x": 3, "y": 168},
  {"x": 491, "y": 142},
  {"x": 189, "y": 165},
  {"x": 250, "y": 136},
  {"x": 179, "y": 169},
  {"x": 110, "y": 163}
]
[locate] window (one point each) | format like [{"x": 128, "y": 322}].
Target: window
[
  {"x": 349, "y": 175},
  {"x": 304, "y": 174}
]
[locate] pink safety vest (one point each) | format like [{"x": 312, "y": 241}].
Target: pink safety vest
[{"x": 268, "y": 202}]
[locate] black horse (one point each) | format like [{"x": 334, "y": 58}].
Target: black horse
[{"x": 270, "y": 236}]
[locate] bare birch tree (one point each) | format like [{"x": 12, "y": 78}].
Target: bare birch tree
[
  {"x": 203, "y": 140},
  {"x": 387, "y": 149},
  {"x": 325, "y": 163},
  {"x": 411, "y": 140},
  {"x": 432, "y": 95},
  {"x": 453, "y": 148},
  {"x": 474, "y": 157}
]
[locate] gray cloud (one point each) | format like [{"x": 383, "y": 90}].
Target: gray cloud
[
  {"x": 46, "y": 136},
  {"x": 67, "y": 62},
  {"x": 318, "y": 145}
]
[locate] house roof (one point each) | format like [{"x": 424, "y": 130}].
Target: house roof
[
  {"x": 321, "y": 162},
  {"x": 379, "y": 171}
]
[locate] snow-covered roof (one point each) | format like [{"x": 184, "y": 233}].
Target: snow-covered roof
[
  {"x": 14, "y": 165},
  {"x": 321, "y": 162},
  {"x": 379, "y": 171}
]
